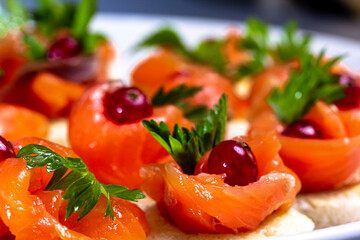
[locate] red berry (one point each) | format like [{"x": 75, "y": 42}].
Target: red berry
[
  {"x": 352, "y": 93},
  {"x": 303, "y": 129},
  {"x": 236, "y": 160},
  {"x": 126, "y": 105},
  {"x": 63, "y": 48},
  {"x": 6, "y": 149}
]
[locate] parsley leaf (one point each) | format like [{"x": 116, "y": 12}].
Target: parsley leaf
[
  {"x": 311, "y": 83},
  {"x": 194, "y": 113},
  {"x": 83, "y": 14},
  {"x": 166, "y": 37},
  {"x": 177, "y": 96},
  {"x": 91, "y": 41},
  {"x": 35, "y": 50},
  {"x": 53, "y": 15},
  {"x": 256, "y": 41},
  {"x": 187, "y": 146},
  {"x": 83, "y": 190},
  {"x": 2, "y": 73},
  {"x": 174, "y": 96},
  {"x": 207, "y": 52},
  {"x": 292, "y": 44},
  {"x": 210, "y": 52}
]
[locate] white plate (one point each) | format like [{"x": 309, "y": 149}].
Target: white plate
[{"x": 126, "y": 30}]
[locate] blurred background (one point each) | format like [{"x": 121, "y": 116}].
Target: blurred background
[{"x": 339, "y": 17}]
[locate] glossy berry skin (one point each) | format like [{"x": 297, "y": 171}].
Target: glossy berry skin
[
  {"x": 6, "y": 149},
  {"x": 303, "y": 129},
  {"x": 63, "y": 48},
  {"x": 127, "y": 105},
  {"x": 352, "y": 93},
  {"x": 236, "y": 160}
]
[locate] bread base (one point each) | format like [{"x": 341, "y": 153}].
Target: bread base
[
  {"x": 279, "y": 223},
  {"x": 331, "y": 208},
  {"x": 58, "y": 132},
  {"x": 236, "y": 127}
]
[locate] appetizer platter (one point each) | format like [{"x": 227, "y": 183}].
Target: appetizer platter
[{"x": 156, "y": 127}]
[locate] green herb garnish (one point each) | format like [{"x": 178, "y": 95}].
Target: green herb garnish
[
  {"x": 83, "y": 190},
  {"x": 166, "y": 37},
  {"x": 210, "y": 52},
  {"x": 194, "y": 113},
  {"x": 311, "y": 83},
  {"x": 83, "y": 14},
  {"x": 35, "y": 50},
  {"x": 207, "y": 52},
  {"x": 256, "y": 41},
  {"x": 177, "y": 96},
  {"x": 53, "y": 15},
  {"x": 187, "y": 146},
  {"x": 292, "y": 44},
  {"x": 174, "y": 96},
  {"x": 91, "y": 41},
  {"x": 2, "y": 73}
]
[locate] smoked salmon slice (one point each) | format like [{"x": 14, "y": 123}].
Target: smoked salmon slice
[
  {"x": 31, "y": 213},
  {"x": 10, "y": 62},
  {"x": 263, "y": 84},
  {"x": 321, "y": 164},
  {"x": 46, "y": 93},
  {"x": 46, "y": 86},
  {"x": 203, "y": 203},
  {"x": 115, "y": 152},
  {"x": 17, "y": 122},
  {"x": 165, "y": 68}
]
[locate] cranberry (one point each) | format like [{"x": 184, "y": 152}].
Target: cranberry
[
  {"x": 303, "y": 129},
  {"x": 63, "y": 48},
  {"x": 352, "y": 93},
  {"x": 6, "y": 149},
  {"x": 236, "y": 160},
  {"x": 126, "y": 105}
]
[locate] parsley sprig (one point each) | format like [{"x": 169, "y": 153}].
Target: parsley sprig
[
  {"x": 209, "y": 52},
  {"x": 256, "y": 40},
  {"x": 174, "y": 96},
  {"x": 187, "y": 146},
  {"x": 166, "y": 37},
  {"x": 83, "y": 190},
  {"x": 35, "y": 50},
  {"x": 292, "y": 44},
  {"x": 52, "y": 15},
  {"x": 305, "y": 86},
  {"x": 177, "y": 96}
]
